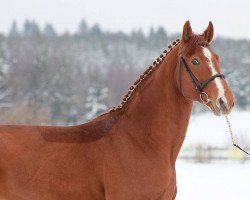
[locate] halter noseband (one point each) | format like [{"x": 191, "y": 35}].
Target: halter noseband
[{"x": 197, "y": 84}]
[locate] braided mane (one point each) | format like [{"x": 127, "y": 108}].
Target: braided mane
[{"x": 145, "y": 75}]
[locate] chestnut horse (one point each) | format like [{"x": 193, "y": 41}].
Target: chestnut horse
[{"x": 128, "y": 153}]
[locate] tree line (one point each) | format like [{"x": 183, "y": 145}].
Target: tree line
[{"x": 45, "y": 77}]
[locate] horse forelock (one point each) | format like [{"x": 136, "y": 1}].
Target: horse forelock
[{"x": 194, "y": 41}]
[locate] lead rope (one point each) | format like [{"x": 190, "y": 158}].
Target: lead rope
[
  {"x": 232, "y": 137},
  {"x": 205, "y": 102}
]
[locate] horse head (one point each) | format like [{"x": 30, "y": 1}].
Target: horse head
[{"x": 198, "y": 74}]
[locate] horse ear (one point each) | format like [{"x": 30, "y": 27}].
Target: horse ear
[
  {"x": 187, "y": 32},
  {"x": 209, "y": 32}
]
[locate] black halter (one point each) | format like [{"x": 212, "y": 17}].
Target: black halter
[{"x": 197, "y": 84}]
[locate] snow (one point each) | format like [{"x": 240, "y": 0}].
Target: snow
[
  {"x": 227, "y": 181},
  {"x": 94, "y": 102},
  {"x": 208, "y": 129},
  {"x": 218, "y": 180}
]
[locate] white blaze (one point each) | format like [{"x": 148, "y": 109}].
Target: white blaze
[{"x": 221, "y": 91}]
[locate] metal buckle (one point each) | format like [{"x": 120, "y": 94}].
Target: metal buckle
[{"x": 205, "y": 99}]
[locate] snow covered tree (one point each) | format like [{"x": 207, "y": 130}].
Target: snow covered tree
[
  {"x": 95, "y": 102},
  {"x": 5, "y": 92}
]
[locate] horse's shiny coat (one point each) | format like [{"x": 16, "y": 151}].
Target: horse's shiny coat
[{"x": 127, "y": 154}]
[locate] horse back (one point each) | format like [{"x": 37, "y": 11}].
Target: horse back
[{"x": 59, "y": 161}]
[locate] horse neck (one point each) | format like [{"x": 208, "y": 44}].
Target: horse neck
[{"x": 157, "y": 111}]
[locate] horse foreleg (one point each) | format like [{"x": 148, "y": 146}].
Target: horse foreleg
[{"x": 175, "y": 192}]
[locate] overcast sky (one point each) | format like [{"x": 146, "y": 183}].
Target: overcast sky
[{"x": 230, "y": 18}]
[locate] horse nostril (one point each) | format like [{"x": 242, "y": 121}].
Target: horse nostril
[{"x": 221, "y": 102}]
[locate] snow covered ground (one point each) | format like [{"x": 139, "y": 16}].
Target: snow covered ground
[
  {"x": 209, "y": 129},
  {"x": 228, "y": 181}
]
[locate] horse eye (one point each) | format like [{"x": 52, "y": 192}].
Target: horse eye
[{"x": 195, "y": 62}]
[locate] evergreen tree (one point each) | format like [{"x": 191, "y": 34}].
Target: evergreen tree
[
  {"x": 14, "y": 30},
  {"x": 49, "y": 31},
  {"x": 152, "y": 40},
  {"x": 31, "y": 28},
  {"x": 96, "y": 31},
  {"x": 151, "y": 33},
  {"x": 161, "y": 35},
  {"x": 82, "y": 28},
  {"x": 138, "y": 35}
]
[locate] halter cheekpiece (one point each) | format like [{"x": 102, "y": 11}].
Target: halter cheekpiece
[{"x": 197, "y": 84}]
